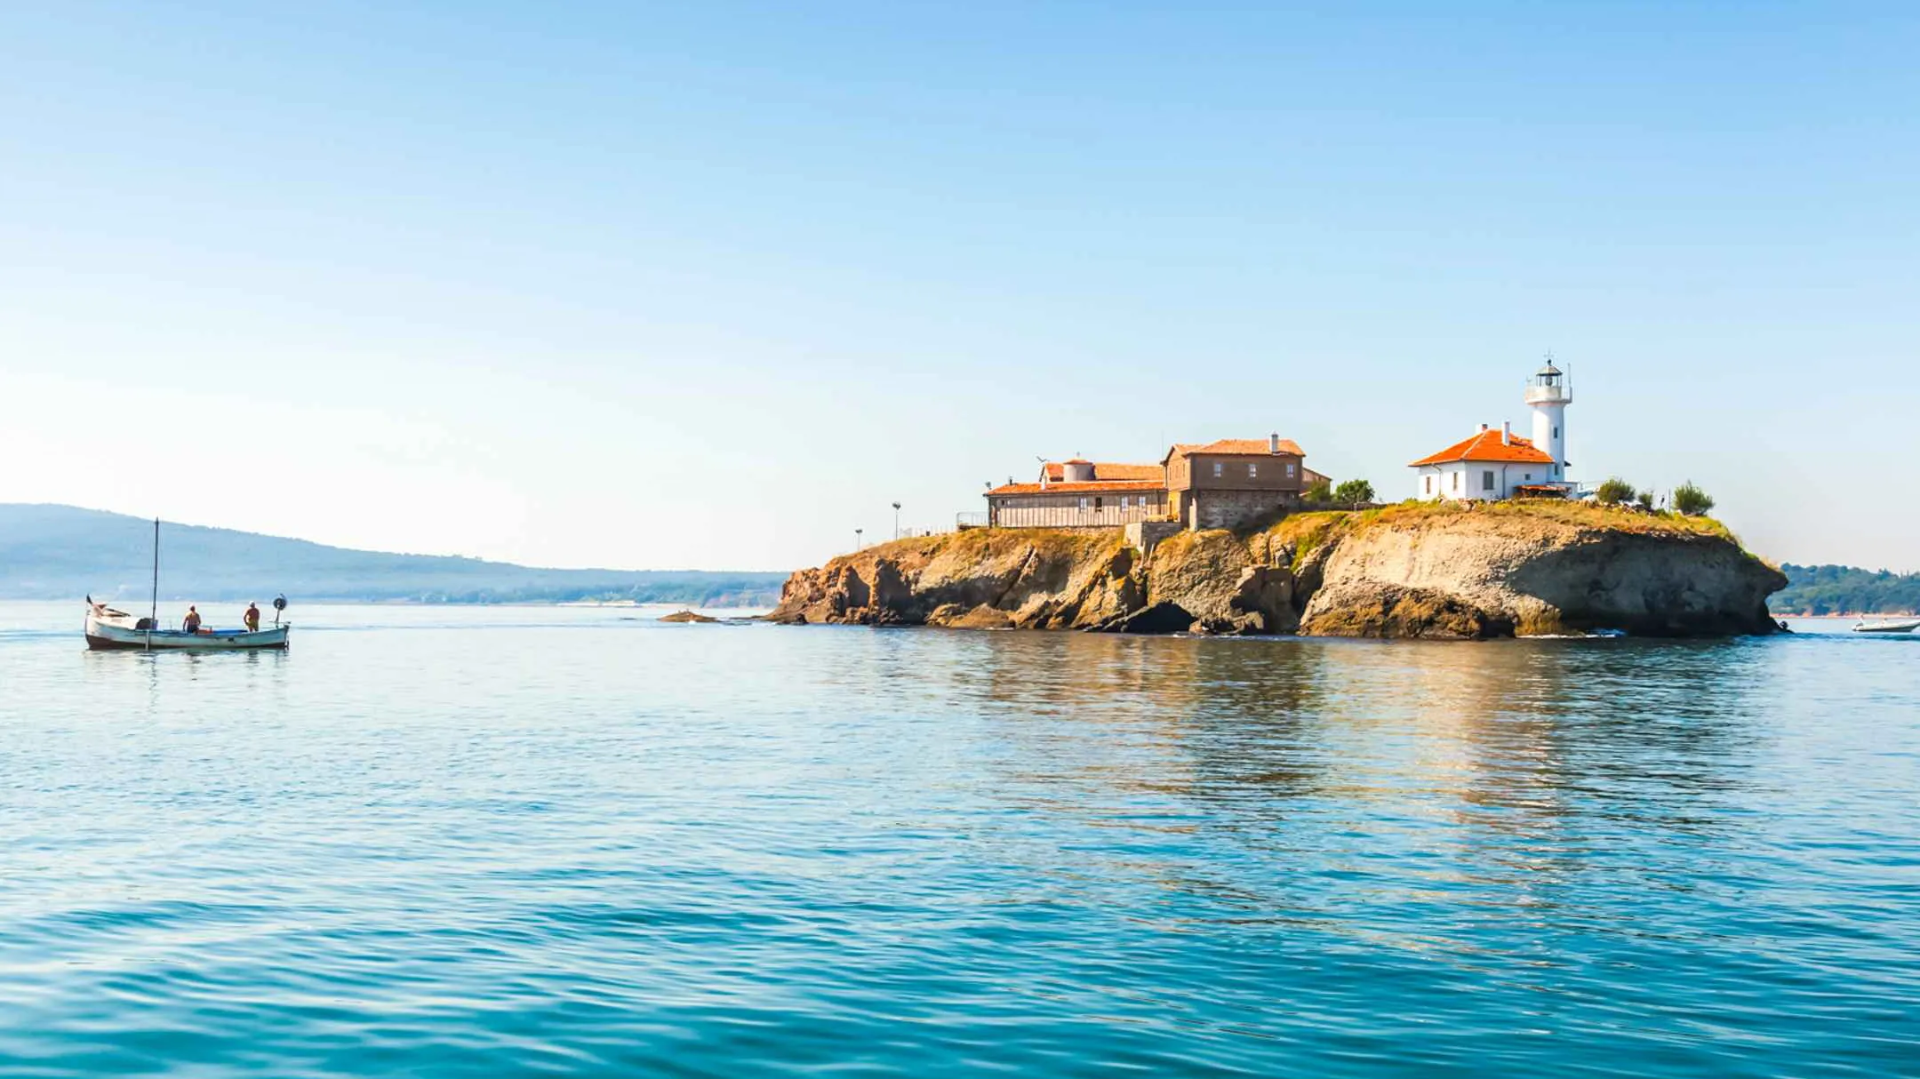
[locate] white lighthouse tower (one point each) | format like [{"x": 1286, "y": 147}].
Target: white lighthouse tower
[{"x": 1549, "y": 393}]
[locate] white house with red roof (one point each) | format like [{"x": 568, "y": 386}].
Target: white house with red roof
[{"x": 1491, "y": 464}]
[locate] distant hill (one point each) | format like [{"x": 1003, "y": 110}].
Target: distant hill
[
  {"x": 1846, "y": 590},
  {"x": 61, "y": 552}
]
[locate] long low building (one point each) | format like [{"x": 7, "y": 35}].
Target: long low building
[
  {"x": 1200, "y": 485},
  {"x": 1081, "y": 494}
]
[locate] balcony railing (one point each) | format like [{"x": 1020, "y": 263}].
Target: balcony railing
[{"x": 1561, "y": 392}]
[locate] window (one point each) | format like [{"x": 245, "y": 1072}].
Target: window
[
  {"x": 1123, "y": 502},
  {"x": 1528, "y": 477},
  {"x": 1290, "y": 470},
  {"x": 1253, "y": 469},
  {"x": 1083, "y": 503},
  {"x": 1556, "y": 432},
  {"x": 1456, "y": 481},
  {"x": 1429, "y": 489},
  {"x": 1486, "y": 480},
  {"x": 1096, "y": 501},
  {"x": 1219, "y": 469}
]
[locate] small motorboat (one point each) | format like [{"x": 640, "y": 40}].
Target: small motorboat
[
  {"x": 1894, "y": 625},
  {"x": 110, "y": 630}
]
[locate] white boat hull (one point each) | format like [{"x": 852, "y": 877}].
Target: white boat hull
[
  {"x": 1905, "y": 625},
  {"x": 119, "y": 634}
]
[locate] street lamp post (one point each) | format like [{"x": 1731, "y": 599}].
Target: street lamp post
[
  {"x": 858, "y": 543},
  {"x": 896, "y": 520}
]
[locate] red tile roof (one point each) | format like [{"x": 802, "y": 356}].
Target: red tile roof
[
  {"x": 1108, "y": 470},
  {"x": 1237, "y": 447},
  {"x": 1486, "y": 446},
  {"x": 1115, "y": 486}
]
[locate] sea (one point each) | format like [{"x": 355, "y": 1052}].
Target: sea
[{"x": 542, "y": 841}]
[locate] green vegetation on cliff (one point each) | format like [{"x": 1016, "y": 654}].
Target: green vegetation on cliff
[{"x": 1309, "y": 530}]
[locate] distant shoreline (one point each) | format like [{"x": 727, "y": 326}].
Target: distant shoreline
[{"x": 215, "y": 603}]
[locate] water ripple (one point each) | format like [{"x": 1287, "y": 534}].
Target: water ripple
[{"x": 445, "y": 843}]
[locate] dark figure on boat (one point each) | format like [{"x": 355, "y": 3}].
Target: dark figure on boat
[
  {"x": 191, "y": 623},
  {"x": 252, "y": 618}
]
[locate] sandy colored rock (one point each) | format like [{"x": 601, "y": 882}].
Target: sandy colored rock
[{"x": 1404, "y": 571}]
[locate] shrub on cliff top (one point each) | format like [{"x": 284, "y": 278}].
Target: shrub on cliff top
[
  {"x": 1353, "y": 491},
  {"x": 1614, "y": 492},
  {"x": 1691, "y": 500},
  {"x": 1320, "y": 493}
]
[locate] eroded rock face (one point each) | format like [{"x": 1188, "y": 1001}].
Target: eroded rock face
[
  {"x": 1413, "y": 574},
  {"x": 1498, "y": 576}
]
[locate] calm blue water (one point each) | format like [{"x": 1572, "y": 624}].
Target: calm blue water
[{"x": 518, "y": 842}]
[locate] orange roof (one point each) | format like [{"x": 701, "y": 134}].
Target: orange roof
[
  {"x": 1116, "y": 486},
  {"x": 1486, "y": 446},
  {"x": 1237, "y": 447},
  {"x": 1108, "y": 470}
]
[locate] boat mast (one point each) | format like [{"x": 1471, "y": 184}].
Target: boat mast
[{"x": 153, "y": 611}]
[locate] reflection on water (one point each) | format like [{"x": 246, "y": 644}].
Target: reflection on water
[{"x": 446, "y": 842}]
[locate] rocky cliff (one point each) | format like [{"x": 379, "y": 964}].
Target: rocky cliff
[{"x": 1494, "y": 570}]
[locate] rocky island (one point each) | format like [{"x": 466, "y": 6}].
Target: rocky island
[{"x": 1494, "y": 569}]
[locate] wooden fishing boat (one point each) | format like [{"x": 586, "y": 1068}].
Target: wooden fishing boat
[
  {"x": 110, "y": 630},
  {"x": 1897, "y": 625}
]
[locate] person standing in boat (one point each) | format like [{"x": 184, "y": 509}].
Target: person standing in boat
[
  {"x": 191, "y": 623},
  {"x": 252, "y": 618}
]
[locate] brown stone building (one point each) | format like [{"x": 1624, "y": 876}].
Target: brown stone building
[
  {"x": 1221, "y": 484},
  {"x": 1211, "y": 485}
]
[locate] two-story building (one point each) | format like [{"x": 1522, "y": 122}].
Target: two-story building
[
  {"x": 1211, "y": 485},
  {"x": 1222, "y": 484}
]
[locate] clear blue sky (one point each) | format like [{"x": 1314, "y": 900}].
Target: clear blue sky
[{"x": 709, "y": 285}]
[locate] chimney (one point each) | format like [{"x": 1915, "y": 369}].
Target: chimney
[
  {"x": 1273, "y": 442},
  {"x": 1506, "y": 433},
  {"x": 1483, "y": 428}
]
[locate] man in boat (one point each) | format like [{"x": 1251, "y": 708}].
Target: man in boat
[
  {"x": 191, "y": 623},
  {"x": 252, "y": 618}
]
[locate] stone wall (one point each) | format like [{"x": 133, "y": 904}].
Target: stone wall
[
  {"x": 1230, "y": 509},
  {"x": 1143, "y": 536}
]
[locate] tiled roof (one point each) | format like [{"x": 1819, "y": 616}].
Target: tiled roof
[
  {"x": 1098, "y": 486},
  {"x": 1237, "y": 447},
  {"x": 1109, "y": 470},
  {"x": 1486, "y": 446}
]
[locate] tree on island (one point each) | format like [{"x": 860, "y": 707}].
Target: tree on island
[
  {"x": 1353, "y": 491},
  {"x": 1320, "y": 493},
  {"x": 1614, "y": 492},
  {"x": 1644, "y": 500},
  {"x": 1691, "y": 500}
]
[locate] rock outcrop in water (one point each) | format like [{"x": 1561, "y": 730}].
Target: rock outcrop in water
[{"x": 1494, "y": 570}]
